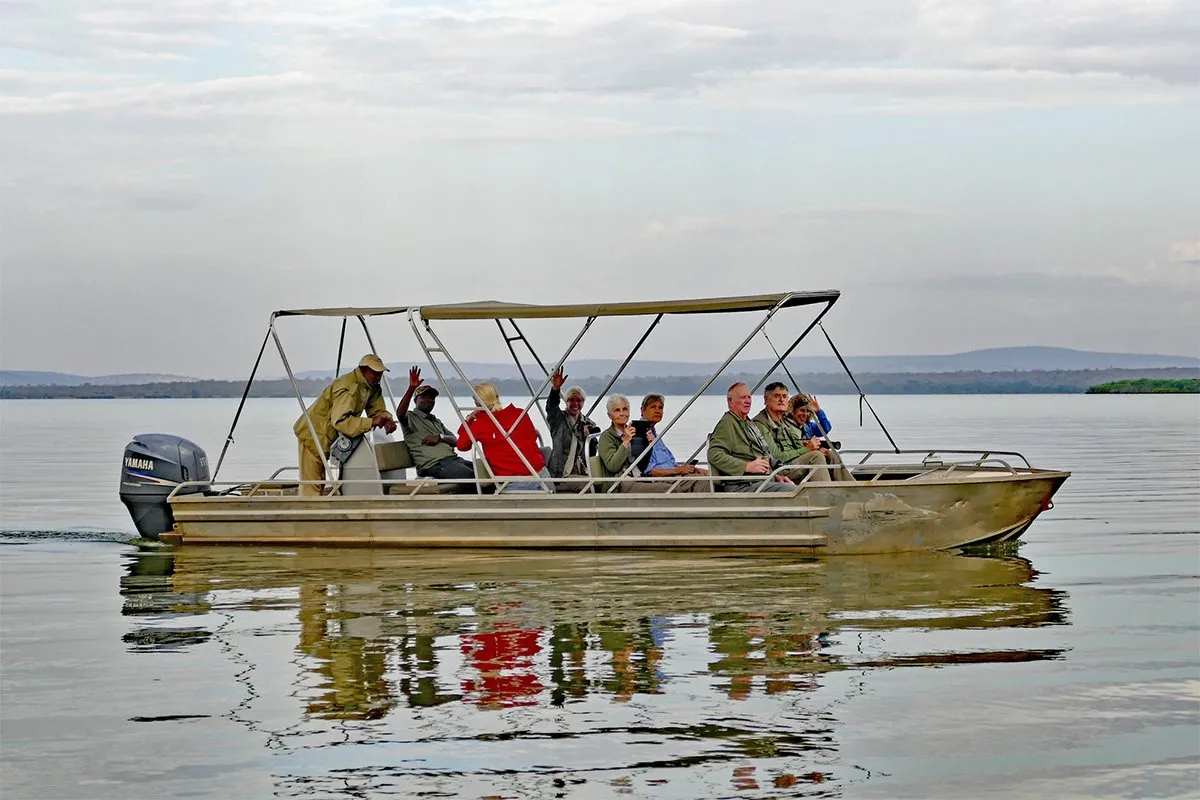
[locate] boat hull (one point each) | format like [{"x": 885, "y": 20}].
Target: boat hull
[{"x": 885, "y": 516}]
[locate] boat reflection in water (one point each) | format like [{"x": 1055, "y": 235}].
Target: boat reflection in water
[{"x": 637, "y": 664}]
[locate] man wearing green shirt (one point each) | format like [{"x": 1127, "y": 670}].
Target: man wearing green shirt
[
  {"x": 737, "y": 447},
  {"x": 429, "y": 441},
  {"x": 785, "y": 439}
]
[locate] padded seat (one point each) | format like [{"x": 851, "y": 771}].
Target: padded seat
[{"x": 393, "y": 455}]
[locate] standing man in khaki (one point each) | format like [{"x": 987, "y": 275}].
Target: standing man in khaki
[{"x": 339, "y": 410}]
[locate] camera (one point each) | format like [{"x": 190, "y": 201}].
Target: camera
[{"x": 831, "y": 445}]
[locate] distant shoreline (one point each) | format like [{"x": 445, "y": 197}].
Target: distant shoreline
[
  {"x": 1148, "y": 386},
  {"x": 973, "y": 382}
]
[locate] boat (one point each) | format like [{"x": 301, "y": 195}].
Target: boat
[{"x": 899, "y": 500}]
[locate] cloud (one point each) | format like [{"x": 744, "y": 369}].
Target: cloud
[
  {"x": 505, "y": 146},
  {"x": 1186, "y": 253},
  {"x": 770, "y": 220},
  {"x": 775, "y": 54}
]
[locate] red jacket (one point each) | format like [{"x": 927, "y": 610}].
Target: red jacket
[{"x": 496, "y": 450}]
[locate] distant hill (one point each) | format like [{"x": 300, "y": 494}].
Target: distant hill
[
  {"x": 963, "y": 382},
  {"x": 9, "y": 377},
  {"x": 999, "y": 359}
]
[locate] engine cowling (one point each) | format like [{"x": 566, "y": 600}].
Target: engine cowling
[{"x": 154, "y": 464}]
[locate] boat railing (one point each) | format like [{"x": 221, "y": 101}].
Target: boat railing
[
  {"x": 928, "y": 456},
  {"x": 606, "y": 485}
]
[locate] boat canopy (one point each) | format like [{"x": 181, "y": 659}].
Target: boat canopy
[
  {"x": 381, "y": 311},
  {"x": 494, "y": 309},
  {"x": 710, "y": 305}
]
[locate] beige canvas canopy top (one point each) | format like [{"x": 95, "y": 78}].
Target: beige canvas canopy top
[{"x": 492, "y": 309}]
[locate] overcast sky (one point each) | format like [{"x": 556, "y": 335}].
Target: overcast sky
[{"x": 971, "y": 173}]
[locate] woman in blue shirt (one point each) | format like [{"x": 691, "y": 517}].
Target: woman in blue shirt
[
  {"x": 805, "y": 413},
  {"x": 661, "y": 463}
]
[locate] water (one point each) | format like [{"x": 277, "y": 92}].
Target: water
[{"x": 1069, "y": 668}]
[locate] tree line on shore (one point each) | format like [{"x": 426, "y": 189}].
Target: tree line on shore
[
  {"x": 1148, "y": 386},
  {"x": 972, "y": 382}
]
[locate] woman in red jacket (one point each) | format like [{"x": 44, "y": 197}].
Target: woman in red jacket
[{"x": 500, "y": 452}]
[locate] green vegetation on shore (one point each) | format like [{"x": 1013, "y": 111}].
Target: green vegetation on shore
[
  {"x": 1022, "y": 382},
  {"x": 1148, "y": 386}
]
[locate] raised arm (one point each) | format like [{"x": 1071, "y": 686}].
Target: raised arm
[
  {"x": 554, "y": 411},
  {"x": 414, "y": 380}
]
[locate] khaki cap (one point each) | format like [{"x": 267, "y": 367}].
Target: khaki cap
[{"x": 374, "y": 362}]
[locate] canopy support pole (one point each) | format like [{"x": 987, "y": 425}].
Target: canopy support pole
[
  {"x": 796, "y": 343},
  {"x": 557, "y": 366},
  {"x": 458, "y": 410},
  {"x": 624, "y": 364},
  {"x": 312, "y": 429},
  {"x": 816, "y": 420},
  {"x": 716, "y": 374},
  {"x": 371, "y": 342},
  {"x": 862, "y": 398},
  {"x": 337, "y": 370},
  {"x": 778, "y": 360},
  {"x": 242, "y": 403},
  {"x": 520, "y": 337}
]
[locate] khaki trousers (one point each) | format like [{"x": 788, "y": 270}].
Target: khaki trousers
[
  {"x": 690, "y": 485},
  {"x": 819, "y": 474},
  {"x": 311, "y": 469},
  {"x": 837, "y": 468}
]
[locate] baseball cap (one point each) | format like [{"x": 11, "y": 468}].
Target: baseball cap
[
  {"x": 425, "y": 388},
  {"x": 372, "y": 361}
]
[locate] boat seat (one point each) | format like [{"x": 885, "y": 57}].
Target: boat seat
[
  {"x": 393, "y": 455},
  {"x": 595, "y": 468}
]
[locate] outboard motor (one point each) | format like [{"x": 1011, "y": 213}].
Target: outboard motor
[{"x": 154, "y": 464}]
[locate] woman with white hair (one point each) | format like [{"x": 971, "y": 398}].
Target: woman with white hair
[
  {"x": 615, "y": 455},
  {"x": 500, "y": 449},
  {"x": 568, "y": 434}
]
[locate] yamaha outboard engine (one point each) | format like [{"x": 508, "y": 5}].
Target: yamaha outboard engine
[{"x": 154, "y": 464}]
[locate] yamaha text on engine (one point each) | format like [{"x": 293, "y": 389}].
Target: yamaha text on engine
[{"x": 154, "y": 464}]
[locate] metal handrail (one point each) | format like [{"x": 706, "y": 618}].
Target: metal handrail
[
  {"x": 502, "y": 481},
  {"x": 929, "y": 453}
]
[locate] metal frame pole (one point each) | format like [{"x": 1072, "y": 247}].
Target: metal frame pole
[
  {"x": 441, "y": 348},
  {"x": 299, "y": 397},
  {"x": 337, "y": 370},
  {"x": 386, "y": 385},
  {"x": 779, "y": 358},
  {"x": 242, "y": 404},
  {"x": 557, "y": 366},
  {"x": 516, "y": 361},
  {"x": 774, "y": 310},
  {"x": 624, "y": 364}
]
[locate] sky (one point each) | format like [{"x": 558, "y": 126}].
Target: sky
[{"x": 970, "y": 173}]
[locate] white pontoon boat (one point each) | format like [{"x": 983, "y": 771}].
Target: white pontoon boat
[{"x": 899, "y": 500}]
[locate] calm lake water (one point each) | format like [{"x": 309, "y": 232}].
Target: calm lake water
[{"x": 1069, "y": 667}]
